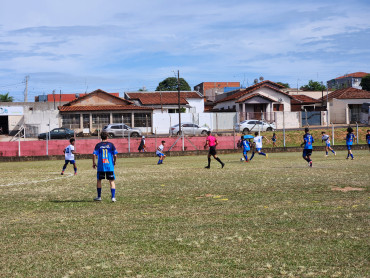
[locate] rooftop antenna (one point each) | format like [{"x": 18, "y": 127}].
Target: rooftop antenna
[{"x": 26, "y": 89}]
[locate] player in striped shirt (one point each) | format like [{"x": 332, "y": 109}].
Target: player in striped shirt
[{"x": 326, "y": 138}]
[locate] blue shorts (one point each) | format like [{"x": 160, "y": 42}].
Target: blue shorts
[
  {"x": 349, "y": 147},
  {"x": 307, "y": 152},
  {"x": 258, "y": 149},
  {"x": 106, "y": 175},
  {"x": 70, "y": 161},
  {"x": 273, "y": 140},
  {"x": 159, "y": 154},
  {"x": 245, "y": 152},
  {"x": 328, "y": 145}
]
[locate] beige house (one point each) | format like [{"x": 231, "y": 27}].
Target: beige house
[{"x": 99, "y": 108}]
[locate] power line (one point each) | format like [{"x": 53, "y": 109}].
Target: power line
[{"x": 23, "y": 82}]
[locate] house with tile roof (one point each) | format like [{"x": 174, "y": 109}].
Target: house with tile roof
[
  {"x": 345, "y": 105},
  {"x": 210, "y": 90},
  {"x": 257, "y": 101},
  {"x": 346, "y": 81},
  {"x": 95, "y": 110},
  {"x": 168, "y": 101}
]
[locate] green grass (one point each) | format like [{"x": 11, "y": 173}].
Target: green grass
[{"x": 271, "y": 217}]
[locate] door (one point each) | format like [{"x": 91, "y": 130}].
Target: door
[
  {"x": 311, "y": 117},
  {"x": 4, "y": 125}
]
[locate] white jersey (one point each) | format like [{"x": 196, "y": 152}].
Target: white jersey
[
  {"x": 258, "y": 141},
  {"x": 68, "y": 153},
  {"x": 160, "y": 149},
  {"x": 326, "y": 139}
]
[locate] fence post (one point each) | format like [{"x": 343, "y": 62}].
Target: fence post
[
  {"x": 284, "y": 127},
  {"x": 332, "y": 132},
  {"x": 357, "y": 132},
  {"x": 129, "y": 147},
  {"x": 234, "y": 136},
  {"x": 19, "y": 144},
  {"x": 183, "y": 140}
]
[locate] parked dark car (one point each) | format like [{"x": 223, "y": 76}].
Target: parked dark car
[{"x": 57, "y": 133}]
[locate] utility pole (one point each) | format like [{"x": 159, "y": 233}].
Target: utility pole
[
  {"x": 178, "y": 91},
  {"x": 26, "y": 89}
]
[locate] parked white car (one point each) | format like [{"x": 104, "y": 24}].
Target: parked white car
[
  {"x": 189, "y": 128},
  {"x": 254, "y": 125}
]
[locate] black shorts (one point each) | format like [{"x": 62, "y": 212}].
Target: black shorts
[
  {"x": 106, "y": 175},
  {"x": 307, "y": 152},
  {"x": 212, "y": 150}
]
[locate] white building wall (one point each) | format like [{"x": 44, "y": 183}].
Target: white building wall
[
  {"x": 289, "y": 119},
  {"x": 197, "y": 104}
]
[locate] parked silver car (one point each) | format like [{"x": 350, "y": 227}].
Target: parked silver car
[
  {"x": 120, "y": 130},
  {"x": 189, "y": 128},
  {"x": 254, "y": 125}
]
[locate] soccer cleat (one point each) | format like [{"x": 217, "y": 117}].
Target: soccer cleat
[
  {"x": 62, "y": 173},
  {"x": 75, "y": 174},
  {"x": 352, "y": 158},
  {"x": 267, "y": 156},
  {"x": 97, "y": 199},
  {"x": 335, "y": 153},
  {"x": 310, "y": 163},
  {"x": 222, "y": 165},
  {"x": 347, "y": 158},
  {"x": 326, "y": 155},
  {"x": 113, "y": 200},
  {"x": 207, "y": 167}
]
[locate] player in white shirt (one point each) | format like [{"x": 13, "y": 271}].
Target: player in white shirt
[
  {"x": 257, "y": 141},
  {"x": 69, "y": 154},
  {"x": 160, "y": 153},
  {"x": 325, "y": 138}
]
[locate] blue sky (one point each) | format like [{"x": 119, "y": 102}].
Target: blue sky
[{"x": 118, "y": 45}]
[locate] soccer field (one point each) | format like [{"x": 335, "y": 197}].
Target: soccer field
[{"x": 270, "y": 217}]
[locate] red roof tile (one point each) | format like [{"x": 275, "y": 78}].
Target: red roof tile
[
  {"x": 301, "y": 99},
  {"x": 355, "y": 75},
  {"x": 241, "y": 92},
  {"x": 349, "y": 93},
  {"x": 163, "y": 97},
  {"x": 76, "y": 108}
]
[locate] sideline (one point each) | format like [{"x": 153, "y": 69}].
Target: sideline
[{"x": 46, "y": 180}]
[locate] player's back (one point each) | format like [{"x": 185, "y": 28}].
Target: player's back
[
  {"x": 349, "y": 139},
  {"x": 105, "y": 152},
  {"x": 68, "y": 154},
  {"x": 308, "y": 140}
]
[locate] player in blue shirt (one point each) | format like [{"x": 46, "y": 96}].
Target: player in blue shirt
[
  {"x": 326, "y": 138},
  {"x": 349, "y": 141},
  {"x": 307, "y": 143},
  {"x": 246, "y": 148},
  {"x": 106, "y": 154},
  {"x": 368, "y": 138}
]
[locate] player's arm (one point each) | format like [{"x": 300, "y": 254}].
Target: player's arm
[
  {"x": 74, "y": 152},
  {"x": 216, "y": 142},
  {"x": 206, "y": 144},
  {"x": 94, "y": 161},
  {"x": 114, "y": 159}
]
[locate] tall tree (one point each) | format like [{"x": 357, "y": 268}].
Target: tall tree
[
  {"x": 313, "y": 86},
  {"x": 365, "y": 83},
  {"x": 170, "y": 84},
  {"x": 286, "y": 85},
  {"x": 6, "y": 98}
]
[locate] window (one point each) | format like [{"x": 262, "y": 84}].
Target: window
[
  {"x": 71, "y": 121},
  {"x": 100, "y": 120},
  {"x": 142, "y": 119},
  {"x": 122, "y": 117}
]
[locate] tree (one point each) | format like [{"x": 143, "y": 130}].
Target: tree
[
  {"x": 286, "y": 85},
  {"x": 170, "y": 84},
  {"x": 6, "y": 98},
  {"x": 313, "y": 86},
  {"x": 365, "y": 83}
]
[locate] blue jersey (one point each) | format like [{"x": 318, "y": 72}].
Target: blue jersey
[
  {"x": 368, "y": 138},
  {"x": 349, "y": 139},
  {"x": 308, "y": 140},
  {"x": 105, "y": 152},
  {"x": 246, "y": 146}
]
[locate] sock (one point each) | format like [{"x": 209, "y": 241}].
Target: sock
[
  {"x": 99, "y": 191},
  {"x": 352, "y": 155},
  {"x": 332, "y": 151},
  {"x": 159, "y": 162},
  {"x": 209, "y": 162},
  {"x": 113, "y": 191},
  {"x": 219, "y": 160},
  {"x": 252, "y": 156},
  {"x": 64, "y": 167},
  {"x": 246, "y": 157},
  {"x": 326, "y": 153},
  {"x": 75, "y": 168},
  {"x": 347, "y": 155},
  {"x": 261, "y": 153}
]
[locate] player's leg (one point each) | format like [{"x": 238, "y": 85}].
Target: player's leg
[
  {"x": 64, "y": 167},
  {"x": 252, "y": 156},
  {"x": 160, "y": 158},
  {"x": 219, "y": 160},
  {"x": 75, "y": 167},
  {"x": 245, "y": 154},
  {"x": 209, "y": 161},
  {"x": 99, "y": 176},
  {"x": 111, "y": 178},
  {"x": 262, "y": 153},
  {"x": 326, "y": 151}
]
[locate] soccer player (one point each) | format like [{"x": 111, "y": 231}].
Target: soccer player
[
  {"x": 258, "y": 142},
  {"x": 325, "y": 138},
  {"x": 106, "y": 154},
  {"x": 212, "y": 142},
  {"x": 307, "y": 142},
  {"x": 246, "y": 148},
  {"x": 368, "y": 138},
  {"x": 273, "y": 139},
  {"x": 349, "y": 141},
  {"x": 142, "y": 145},
  {"x": 160, "y": 153},
  {"x": 69, "y": 154}
]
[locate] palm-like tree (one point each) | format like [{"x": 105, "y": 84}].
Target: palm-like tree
[{"x": 6, "y": 98}]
